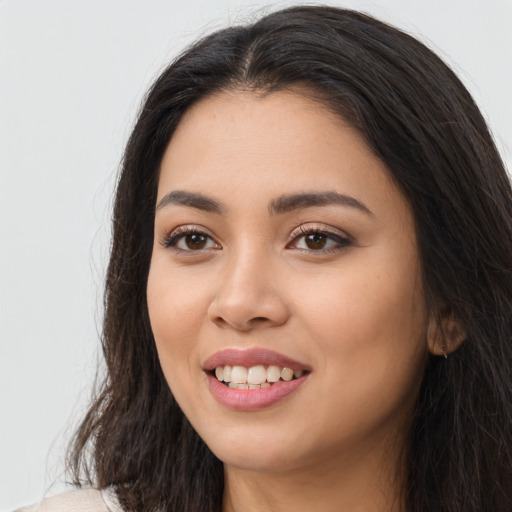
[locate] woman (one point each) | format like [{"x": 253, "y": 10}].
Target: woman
[{"x": 309, "y": 293}]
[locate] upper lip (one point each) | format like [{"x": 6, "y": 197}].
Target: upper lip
[{"x": 252, "y": 357}]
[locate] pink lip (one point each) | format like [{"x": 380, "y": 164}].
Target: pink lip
[{"x": 252, "y": 399}]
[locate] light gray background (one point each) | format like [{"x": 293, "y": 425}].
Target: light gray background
[{"x": 72, "y": 74}]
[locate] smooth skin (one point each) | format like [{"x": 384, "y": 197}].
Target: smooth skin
[{"x": 337, "y": 286}]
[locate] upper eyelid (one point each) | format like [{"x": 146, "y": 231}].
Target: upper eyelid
[
  {"x": 320, "y": 228},
  {"x": 189, "y": 228}
]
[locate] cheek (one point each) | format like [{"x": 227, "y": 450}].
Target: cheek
[
  {"x": 371, "y": 353},
  {"x": 175, "y": 312},
  {"x": 177, "y": 299},
  {"x": 369, "y": 322},
  {"x": 377, "y": 308},
  {"x": 176, "y": 309}
]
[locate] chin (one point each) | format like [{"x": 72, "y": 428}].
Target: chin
[
  {"x": 257, "y": 460},
  {"x": 257, "y": 451}
]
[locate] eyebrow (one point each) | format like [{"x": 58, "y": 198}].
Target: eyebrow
[
  {"x": 290, "y": 202},
  {"x": 193, "y": 200},
  {"x": 281, "y": 205}
]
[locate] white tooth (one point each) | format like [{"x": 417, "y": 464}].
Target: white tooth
[
  {"x": 254, "y": 386},
  {"x": 239, "y": 374},
  {"x": 298, "y": 373},
  {"x": 256, "y": 375},
  {"x": 273, "y": 373},
  {"x": 233, "y": 385},
  {"x": 287, "y": 374},
  {"x": 265, "y": 385},
  {"x": 227, "y": 374},
  {"x": 219, "y": 373}
]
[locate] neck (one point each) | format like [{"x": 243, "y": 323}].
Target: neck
[{"x": 359, "y": 483}]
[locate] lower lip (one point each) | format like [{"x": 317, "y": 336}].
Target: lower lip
[{"x": 252, "y": 399}]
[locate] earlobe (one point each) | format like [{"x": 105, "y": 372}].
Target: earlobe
[{"x": 445, "y": 333}]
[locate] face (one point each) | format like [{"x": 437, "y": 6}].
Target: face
[{"x": 281, "y": 242}]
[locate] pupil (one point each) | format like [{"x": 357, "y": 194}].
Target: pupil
[
  {"x": 196, "y": 241},
  {"x": 316, "y": 241}
]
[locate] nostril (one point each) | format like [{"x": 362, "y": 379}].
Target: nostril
[
  {"x": 259, "y": 319},
  {"x": 245, "y": 312},
  {"x": 218, "y": 320},
  {"x": 242, "y": 326}
]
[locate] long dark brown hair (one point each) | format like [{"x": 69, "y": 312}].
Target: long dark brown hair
[{"x": 419, "y": 119}]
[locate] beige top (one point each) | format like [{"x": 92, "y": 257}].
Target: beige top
[{"x": 83, "y": 500}]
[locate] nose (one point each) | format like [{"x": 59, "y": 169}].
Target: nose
[{"x": 249, "y": 295}]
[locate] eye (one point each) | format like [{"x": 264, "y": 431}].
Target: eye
[
  {"x": 190, "y": 239},
  {"x": 310, "y": 238}
]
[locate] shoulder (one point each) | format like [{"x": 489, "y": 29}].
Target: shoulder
[{"x": 83, "y": 500}]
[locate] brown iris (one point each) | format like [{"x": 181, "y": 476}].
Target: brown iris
[
  {"x": 196, "y": 241},
  {"x": 315, "y": 240}
]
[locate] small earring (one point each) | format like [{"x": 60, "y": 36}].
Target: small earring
[{"x": 444, "y": 350}]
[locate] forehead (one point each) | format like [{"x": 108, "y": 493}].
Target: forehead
[{"x": 244, "y": 143}]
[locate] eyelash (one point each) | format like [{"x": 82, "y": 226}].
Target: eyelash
[{"x": 341, "y": 241}]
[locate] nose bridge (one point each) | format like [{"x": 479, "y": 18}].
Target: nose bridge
[
  {"x": 246, "y": 262},
  {"x": 247, "y": 296}
]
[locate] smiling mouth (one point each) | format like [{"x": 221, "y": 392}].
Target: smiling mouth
[{"x": 255, "y": 377}]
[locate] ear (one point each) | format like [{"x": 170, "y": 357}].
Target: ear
[{"x": 445, "y": 333}]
